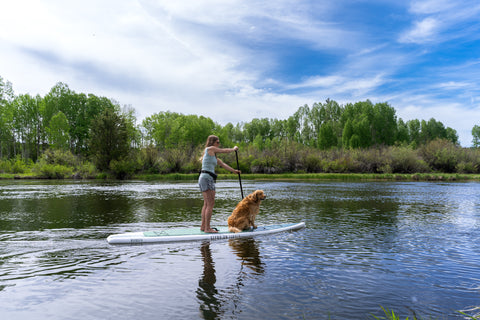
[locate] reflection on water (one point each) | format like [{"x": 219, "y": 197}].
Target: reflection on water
[
  {"x": 207, "y": 293},
  {"x": 248, "y": 252},
  {"x": 408, "y": 246},
  {"x": 212, "y": 302}
]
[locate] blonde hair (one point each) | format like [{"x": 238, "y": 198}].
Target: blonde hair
[{"x": 211, "y": 140}]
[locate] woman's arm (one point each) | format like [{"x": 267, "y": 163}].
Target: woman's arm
[
  {"x": 212, "y": 150},
  {"x": 227, "y": 167}
]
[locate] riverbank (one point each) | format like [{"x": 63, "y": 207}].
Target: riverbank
[
  {"x": 283, "y": 176},
  {"x": 325, "y": 176}
]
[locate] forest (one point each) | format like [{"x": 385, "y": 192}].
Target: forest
[{"x": 67, "y": 134}]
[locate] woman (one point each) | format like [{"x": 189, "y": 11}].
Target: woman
[{"x": 207, "y": 178}]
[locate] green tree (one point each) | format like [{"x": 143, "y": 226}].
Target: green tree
[
  {"x": 305, "y": 133},
  {"x": 291, "y": 128},
  {"x": 57, "y": 132},
  {"x": 79, "y": 110},
  {"x": 278, "y": 129},
  {"x": 434, "y": 129},
  {"x": 109, "y": 138},
  {"x": 414, "y": 132},
  {"x": 384, "y": 126},
  {"x": 360, "y": 118},
  {"x": 6, "y": 92},
  {"x": 27, "y": 129},
  {"x": 134, "y": 133},
  {"x": 452, "y": 135},
  {"x": 325, "y": 123},
  {"x": 326, "y": 136},
  {"x": 6, "y": 119},
  {"x": 476, "y": 136},
  {"x": 347, "y": 134},
  {"x": 402, "y": 136},
  {"x": 168, "y": 130},
  {"x": 61, "y": 99},
  {"x": 258, "y": 130},
  {"x": 159, "y": 128}
]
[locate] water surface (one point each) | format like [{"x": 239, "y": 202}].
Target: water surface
[{"x": 410, "y": 246}]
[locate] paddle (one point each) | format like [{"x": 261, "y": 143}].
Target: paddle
[{"x": 239, "y": 178}]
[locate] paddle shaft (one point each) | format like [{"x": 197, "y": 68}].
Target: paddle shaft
[{"x": 239, "y": 178}]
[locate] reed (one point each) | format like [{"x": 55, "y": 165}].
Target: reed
[{"x": 390, "y": 315}]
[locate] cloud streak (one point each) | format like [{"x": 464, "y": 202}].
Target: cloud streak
[{"x": 237, "y": 60}]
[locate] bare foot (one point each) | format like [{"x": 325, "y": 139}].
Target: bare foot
[{"x": 211, "y": 230}]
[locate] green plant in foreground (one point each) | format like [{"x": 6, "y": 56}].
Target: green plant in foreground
[
  {"x": 390, "y": 315},
  {"x": 468, "y": 316}
]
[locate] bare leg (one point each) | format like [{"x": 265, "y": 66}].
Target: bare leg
[{"x": 207, "y": 210}]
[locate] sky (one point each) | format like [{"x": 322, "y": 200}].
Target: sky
[{"x": 236, "y": 60}]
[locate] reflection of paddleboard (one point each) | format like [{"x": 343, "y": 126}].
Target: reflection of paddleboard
[{"x": 194, "y": 234}]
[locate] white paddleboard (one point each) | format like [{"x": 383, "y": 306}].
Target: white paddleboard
[{"x": 194, "y": 234}]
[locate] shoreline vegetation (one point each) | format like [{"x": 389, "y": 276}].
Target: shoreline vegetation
[
  {"x": 437, "y": 160},
  {"x": 69, "y": 135},
  {"x": 272, "y": 176}
]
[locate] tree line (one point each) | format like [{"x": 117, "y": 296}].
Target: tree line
[{"x": 89, "y": 134}]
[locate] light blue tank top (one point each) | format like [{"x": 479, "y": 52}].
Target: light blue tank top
[{"x": 209, "y": 162}]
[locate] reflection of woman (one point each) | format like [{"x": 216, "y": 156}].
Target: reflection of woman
[
  {"x": 207, "y": 178},
  {"x": 206, "y": 285},
  {"x": 213, "y": 302}
]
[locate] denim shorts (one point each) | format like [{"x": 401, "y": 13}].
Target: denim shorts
[{"x": 206, "y": 182}]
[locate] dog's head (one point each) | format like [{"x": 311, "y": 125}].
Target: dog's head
[{"x": 257, "y": 196}]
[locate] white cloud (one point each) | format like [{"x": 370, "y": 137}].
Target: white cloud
[
  {"x": 441, "y": 20},
  {"x": 131, "y": 49},
  {"x": 431, "y": 6},
  {"x": 422, "y": 31},
  {"x": 215, "y": 57}
]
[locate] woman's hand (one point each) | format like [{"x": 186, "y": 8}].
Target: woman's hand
[{"x": 235, "y": 148}]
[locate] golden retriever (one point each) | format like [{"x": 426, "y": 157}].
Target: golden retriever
[{"x": 243, "y": 216}]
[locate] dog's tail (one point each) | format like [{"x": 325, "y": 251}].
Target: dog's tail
[{"x": 234, "y": 229}]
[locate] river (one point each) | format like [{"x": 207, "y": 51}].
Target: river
[{"x": 413, "y": 247}]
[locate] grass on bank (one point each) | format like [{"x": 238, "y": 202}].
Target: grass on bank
[
  {"x": 321, "y": 176},
  {"x": 265, "y": 176}
]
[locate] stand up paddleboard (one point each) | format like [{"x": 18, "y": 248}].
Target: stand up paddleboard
[{"x": 194, "y": 234}]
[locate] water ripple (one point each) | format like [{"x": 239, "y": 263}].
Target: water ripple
[{"x": 412, "y": 247}]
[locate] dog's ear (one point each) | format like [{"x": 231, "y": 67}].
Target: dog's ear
[
  {"x": 251, "y": 197},
  {"x": 258, "y": 195}
]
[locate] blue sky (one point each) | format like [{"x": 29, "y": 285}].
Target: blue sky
[{"x": 234, "y": 61}]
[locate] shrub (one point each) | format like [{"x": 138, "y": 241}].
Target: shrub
[
  {"x": 150, "y": 158},
  {"x": 406, "y": 160},
  {"x": 313, "y": 163},
  {"x": 65, "y": 158},
  {"x": 172, "y": 160},
  {"x": 268, "y": 163},
  {"x": 51, "y": 171},
  {"x": 469, "y": 161},
  {"x": 441, "y": 155},
  {"x": 19, "y": 166},
  {"x": 369, "y": 160},
  {"x": 15, "y": 165},
  {"x": 86, "y": 171},
  {"x": 124, "y": 168},
  {"x": 5, "y": 166},
  {"x": 465, "y": 167}
]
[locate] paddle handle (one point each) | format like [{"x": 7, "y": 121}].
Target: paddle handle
[{"x": 239, "y": 178}]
